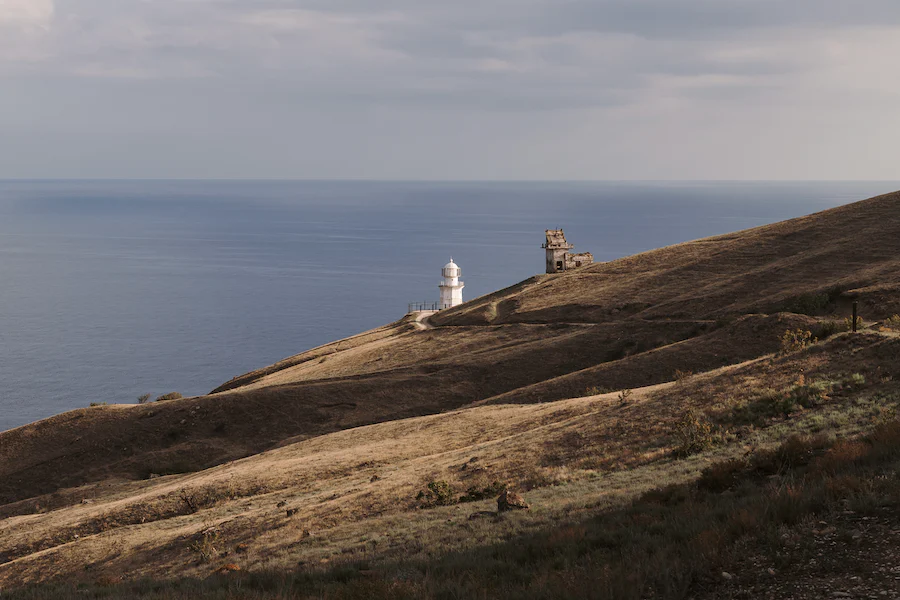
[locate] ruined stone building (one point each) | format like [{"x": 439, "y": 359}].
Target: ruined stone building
[{"x": 559, "y": 258}]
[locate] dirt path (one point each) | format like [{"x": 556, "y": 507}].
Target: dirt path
[{"x": 421, "y": 321}]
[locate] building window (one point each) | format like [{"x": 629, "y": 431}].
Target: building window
[{"x": 559, "y": 265}]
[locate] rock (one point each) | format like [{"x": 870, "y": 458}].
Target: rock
[
  {"x": 292, "y": 511},
  {"x": 281, "y": 504},
  {"x": 726, "y": 575},
  {"x": 374, "y": 478},
  {"x": 154, "y": 476},
  {"x": 511, "y": 501}
]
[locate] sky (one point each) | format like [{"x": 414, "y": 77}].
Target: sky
[{"x": 448, "y": 90}]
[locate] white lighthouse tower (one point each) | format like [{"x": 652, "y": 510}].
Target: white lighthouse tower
[{"x": 451, "y": 287}]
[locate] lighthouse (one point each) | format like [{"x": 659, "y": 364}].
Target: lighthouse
[{"x": 451, "y": 287}]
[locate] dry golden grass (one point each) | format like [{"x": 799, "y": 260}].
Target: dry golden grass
[
  {"x": 318, "y": 459},
  {"x": 351, "y": 494},
  {"x": 625, "y": 324}
]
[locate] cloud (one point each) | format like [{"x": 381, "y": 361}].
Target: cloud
[
  {"x": 560, "y": 81},
  {"x": 26, "y": 12}
]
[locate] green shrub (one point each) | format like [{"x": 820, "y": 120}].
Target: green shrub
[
  {"x": 694, "y": 434},
  {"x": 764, "y": 405},
  {"x": 794, "y": 452},
  {"x": 892, "y": 323},
  {"x": 475, "y": 493},
  {"x": 809, "y": 395},
  {"x": 808, "y": 304},
  {"x": 795, "y": 340},
  {"x": 170, "y": 396},
  {"x": 93, "y": 404},
  {"x": 436, "y": 493},
  {"x": 204, "y": 545}
]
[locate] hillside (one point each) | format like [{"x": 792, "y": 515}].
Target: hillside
[
  {"x": 539, "y": 330},
  {"x": 521, "y": 387}
]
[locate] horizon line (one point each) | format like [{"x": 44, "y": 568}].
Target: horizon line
[{"x": 388, "y": 180}]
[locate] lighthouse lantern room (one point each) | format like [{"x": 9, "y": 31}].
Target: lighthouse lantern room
[{"x": 451, "y": 287}]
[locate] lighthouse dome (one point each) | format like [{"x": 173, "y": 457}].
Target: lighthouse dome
[{"x": 451, "y": 269}]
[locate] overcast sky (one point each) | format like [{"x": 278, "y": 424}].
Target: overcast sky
[{"x": 450, "y": 89}]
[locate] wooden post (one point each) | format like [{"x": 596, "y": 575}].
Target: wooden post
[{"x": 855, "y": 312}]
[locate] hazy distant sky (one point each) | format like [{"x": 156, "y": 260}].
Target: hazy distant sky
[{"x": 451, "y": 89}]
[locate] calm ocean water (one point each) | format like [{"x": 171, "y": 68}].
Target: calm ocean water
[{"x": 113, "y": 289}]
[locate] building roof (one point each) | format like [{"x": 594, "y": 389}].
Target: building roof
[{"x": 557, "y": 239}]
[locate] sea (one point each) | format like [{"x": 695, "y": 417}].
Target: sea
[{"x": 113, "y": 289}]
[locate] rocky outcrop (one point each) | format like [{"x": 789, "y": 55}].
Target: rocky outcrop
[{"x": 511, "y": 501}]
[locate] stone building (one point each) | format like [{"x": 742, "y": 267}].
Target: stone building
[{"x": 559, "y": 258}]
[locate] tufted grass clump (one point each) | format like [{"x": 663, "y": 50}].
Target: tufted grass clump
[
  {"x": 694, "y": 434},
  {"x": 797, "y": 339}
]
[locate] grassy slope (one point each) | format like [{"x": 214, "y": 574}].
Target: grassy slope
[
  {"x": 545, "y": 339},
  {"x": 354, "y": 491},
  {"x": 855, "y": 247},
  {"x": 501, "y": 345}
]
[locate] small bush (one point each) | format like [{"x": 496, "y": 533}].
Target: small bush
[
  {"x": 170, "y": 396},
  {"x": 93, "y": 404},
  {"x": 721, "y": 476},
  {"x": 826, "y": 329},
  {"x": 474, "y": 493},
  {"x": 694, "y": 435},
  {"x": 893, "y": 323},
  {"x": 809, "y": 395},
  {"x": 809, "y": 304},
  {"x": 436, "y": 493},
  {"x": 796, "y": 451},
  {"x": 624, "y": 395},
  {"x": 143, "y": 399},
  {"x": 848, "y": 324},
  {"x": 795, "y": 340},
  {"x": 841, "y": 455},
  {"x": 669, "y": 495},
  {"x": 204, "y": 545},
  {"x": 596, "y": 391},
  {"x": 680, "y": 375},
  {"x": 766, "y": 404}
]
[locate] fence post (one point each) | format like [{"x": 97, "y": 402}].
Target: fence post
[{"x": 855, "y": 312}]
